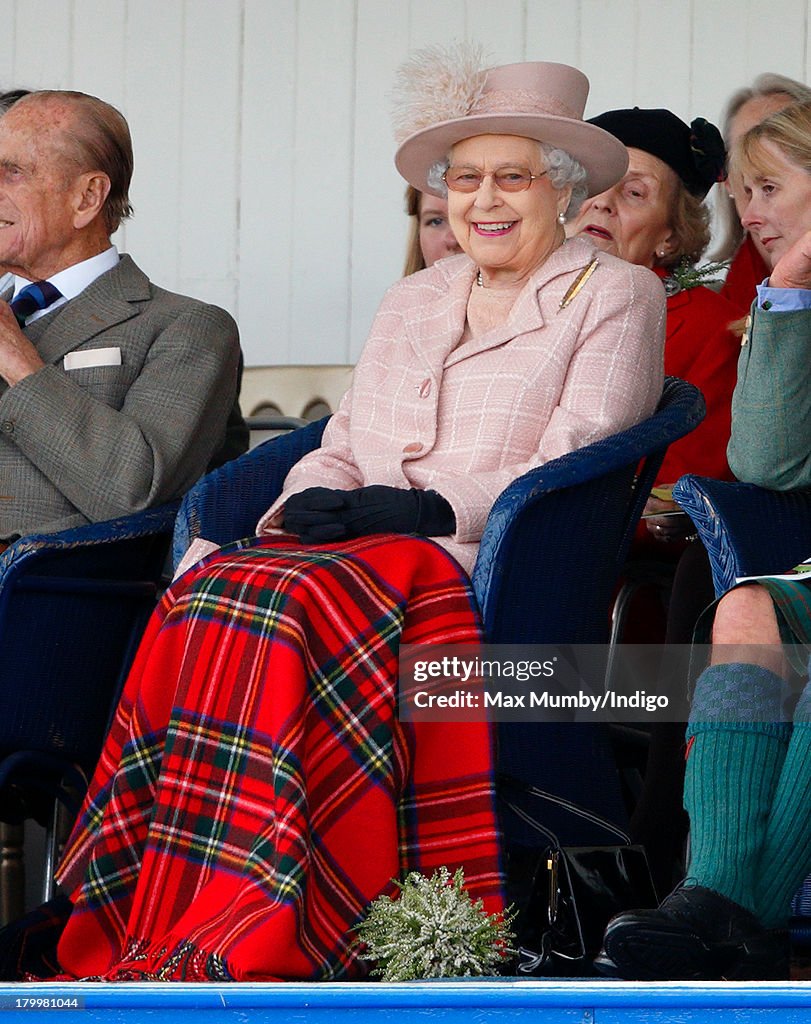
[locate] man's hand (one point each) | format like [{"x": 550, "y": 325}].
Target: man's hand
[
  {"x": 793, "y": 269},
  {"x": 18, "y": 357}
]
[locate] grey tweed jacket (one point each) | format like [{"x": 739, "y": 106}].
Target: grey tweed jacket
[{"x": 85, "y": 444}]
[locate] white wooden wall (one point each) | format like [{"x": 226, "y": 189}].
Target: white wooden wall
[{"x": 264, "y": 179}]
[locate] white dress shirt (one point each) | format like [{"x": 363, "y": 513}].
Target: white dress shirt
[{"x": 72, "y": 281}]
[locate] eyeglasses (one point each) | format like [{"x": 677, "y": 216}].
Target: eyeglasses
[{"x": 505, "y": 179}]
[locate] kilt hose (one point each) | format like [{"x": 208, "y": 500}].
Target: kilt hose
[{"x": 256, "y": 790}]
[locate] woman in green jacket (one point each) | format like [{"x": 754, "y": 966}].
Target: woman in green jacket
[{"x": 748, "y": 778}]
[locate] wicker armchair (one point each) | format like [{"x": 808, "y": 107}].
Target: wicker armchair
[
  {"x": 552, "y": 551},
  {"x": 73, "y": 606}
]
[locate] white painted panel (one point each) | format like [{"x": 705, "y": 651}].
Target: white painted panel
[
  {"x": 608, "y": 53},
  {"x": 98, "y": 59},
  {"x": 502, "y": 35},
  {"x": 770, "y": 50},
  {"x": 209, "y": 153},
  {"x": 437, "y": 24},
  {"x": 553, "y": 33},
  {"x": 8, "y": 19},
  {"x": 153, "y": 107},
  {"x": 42, "y": 44},
  {"x": 807, "y": 50},
  {"x": 267, "y": 182},
  {"x": 378, "y": 219},
  {"x": 719, "y": 44},
  {"x": 663, "y": 51},
  {"x": 323, "y": 180}
]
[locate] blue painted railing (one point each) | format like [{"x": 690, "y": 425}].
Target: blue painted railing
[{"x": 500, "y": 1001}]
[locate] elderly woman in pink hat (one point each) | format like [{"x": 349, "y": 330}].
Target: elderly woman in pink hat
[
  {"x": 257, "y": 790},
  {"x": 518, "y": 350}
]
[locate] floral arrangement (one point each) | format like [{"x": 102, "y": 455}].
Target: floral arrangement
[
  {"x": 433, "y": 929},
  {"x": 687, "y": 275}
]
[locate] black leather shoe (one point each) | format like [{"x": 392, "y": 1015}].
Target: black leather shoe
[{"x": 695, "y": 935}]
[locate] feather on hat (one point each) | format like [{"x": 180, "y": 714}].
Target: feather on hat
[
  {"x": 445, "y": 95},
  {"x": 436, "y": 84}
]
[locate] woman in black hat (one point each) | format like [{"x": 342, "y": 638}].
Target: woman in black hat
[{"x": 655, "y": 216}]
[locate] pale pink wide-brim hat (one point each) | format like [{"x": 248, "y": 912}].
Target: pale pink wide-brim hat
[{"x": 537, "y": 100}]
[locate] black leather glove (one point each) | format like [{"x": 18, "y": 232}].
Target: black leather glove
[{"x": 321, "y": 514}]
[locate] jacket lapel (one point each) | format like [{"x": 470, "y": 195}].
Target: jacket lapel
[
  {"x": 435, "y": 328},
  {"x": 109, "y": 300}
]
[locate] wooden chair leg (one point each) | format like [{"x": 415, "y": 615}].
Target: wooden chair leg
[{"x": 12, "y": 873}]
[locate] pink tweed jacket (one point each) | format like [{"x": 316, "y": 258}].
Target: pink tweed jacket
[{"x": 467, "y": 420}]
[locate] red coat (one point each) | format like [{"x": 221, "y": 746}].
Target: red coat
[
  {"x": 746, "y": 271},
  {"x": 700, "y": 348}
]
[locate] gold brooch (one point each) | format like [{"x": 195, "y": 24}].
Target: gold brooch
[{"x": 578, "y": 282}]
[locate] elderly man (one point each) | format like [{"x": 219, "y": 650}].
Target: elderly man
[{"x": 114, "y": 394}]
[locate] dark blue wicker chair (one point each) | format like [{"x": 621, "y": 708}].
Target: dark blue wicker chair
[
  {"x": 549, "y": 560},
  {"x": 749, "y": 531},
  {"x": 73, "y": 606}
]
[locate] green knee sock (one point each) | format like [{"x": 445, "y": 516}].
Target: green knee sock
[
  {"x": 786, "y": 857},
  {"x": 728, "y": 789},
  {"x": 732, "y": 773}
]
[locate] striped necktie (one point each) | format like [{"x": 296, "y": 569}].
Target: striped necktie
[{"x": 28, "y": 300}]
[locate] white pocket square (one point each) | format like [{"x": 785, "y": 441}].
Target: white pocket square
[{"x": 89, "y": 358}]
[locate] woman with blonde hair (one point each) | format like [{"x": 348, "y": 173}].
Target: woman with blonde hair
[
  {"x": 746, "y": 107},
  {"x": 748, "y": 779},
  {"x": 430, "y": 236}
]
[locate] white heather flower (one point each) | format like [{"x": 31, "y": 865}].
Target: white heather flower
[{"x": 434, "y": 930}]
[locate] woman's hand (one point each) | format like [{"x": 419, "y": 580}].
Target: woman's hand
[
  {"x": 667, "y": 527},
  {"x": 793, "y": 269},
  {"x": 319, "y": 515}
]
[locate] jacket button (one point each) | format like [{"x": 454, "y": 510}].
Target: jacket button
[
  {"x": 8, "y": 426},
  {"x": 425, "y": 388},
  {"x": 415, "y": 446}
]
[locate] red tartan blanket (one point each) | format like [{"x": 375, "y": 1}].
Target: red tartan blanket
[{"x": 256, "y": 790}]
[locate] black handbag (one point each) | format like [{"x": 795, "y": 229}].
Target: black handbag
[{"x": 564, "y": 896}]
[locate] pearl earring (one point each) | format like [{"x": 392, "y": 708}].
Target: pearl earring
[{"x": 561, "y": 217}]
